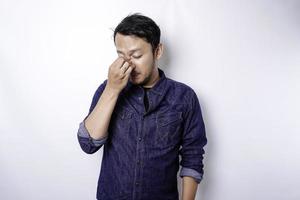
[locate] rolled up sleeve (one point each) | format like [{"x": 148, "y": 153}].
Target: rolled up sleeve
[
  {"x": 193, "y": 140},
  {"x": 191, "y": 173},
  {"x": 87, "y": 143}
]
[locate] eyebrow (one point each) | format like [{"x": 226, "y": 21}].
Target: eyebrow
[{"x": 133, "y": 50}]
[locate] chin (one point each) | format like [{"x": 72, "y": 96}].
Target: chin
[
  {"x": 137, "y": 81},
  {"x": 140, "y": 80}
]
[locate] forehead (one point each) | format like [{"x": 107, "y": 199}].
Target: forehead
[{"x": 126, "y": 43}]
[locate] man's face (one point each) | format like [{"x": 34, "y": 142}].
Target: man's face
[{"x": 139, "y": 53}]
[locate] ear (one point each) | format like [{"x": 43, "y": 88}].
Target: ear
[{"x": 159, "y": 51}]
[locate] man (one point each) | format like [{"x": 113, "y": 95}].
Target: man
[{"x": 145, "y": 121}]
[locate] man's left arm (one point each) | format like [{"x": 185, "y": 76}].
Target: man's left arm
[
  {"x": 193, "y": 142},
  {"x": 189, "y": 188}
]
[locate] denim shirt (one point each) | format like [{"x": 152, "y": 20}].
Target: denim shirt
[{"x": 142, "y": 150}]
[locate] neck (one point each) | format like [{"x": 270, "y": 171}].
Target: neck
[{"x": 155, "y": 78}]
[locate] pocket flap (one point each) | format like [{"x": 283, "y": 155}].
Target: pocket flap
[{"x": 169, "y": 118}]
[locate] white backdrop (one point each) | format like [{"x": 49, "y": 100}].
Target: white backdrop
[{"x": 241, "y": 57}]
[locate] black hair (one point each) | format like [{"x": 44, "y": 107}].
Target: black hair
[{"x": 141, "y": 26}]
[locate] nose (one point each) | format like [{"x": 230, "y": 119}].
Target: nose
[{"x": 128, "y": 60}]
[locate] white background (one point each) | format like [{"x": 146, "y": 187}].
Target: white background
[{"x": 241, "y": 57}]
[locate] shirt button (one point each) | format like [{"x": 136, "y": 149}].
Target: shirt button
[
  {"x": 140, "y": 139},
  {"x": 136, "y": 183},
  {"x": 140, "y": 98}
]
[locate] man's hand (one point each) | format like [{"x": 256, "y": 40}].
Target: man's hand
[
  {"x": 118, "y": 74},
  {"x": 98, "y": 121}
]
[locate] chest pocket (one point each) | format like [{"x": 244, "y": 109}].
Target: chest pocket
[
  {"x": 168, "y": 128},
  {"x": 120, "y": 124}
]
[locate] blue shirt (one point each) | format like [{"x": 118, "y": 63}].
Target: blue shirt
[{"x": 141, "y": 154}]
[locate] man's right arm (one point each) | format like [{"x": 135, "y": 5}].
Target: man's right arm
[
  {"x": 98, "y": 120},
  {"x": 93, "y": 131}
]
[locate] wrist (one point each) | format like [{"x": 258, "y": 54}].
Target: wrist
[{"x": 111, "y": 91}]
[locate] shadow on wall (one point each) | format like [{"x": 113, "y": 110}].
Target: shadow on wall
[
  {"x": 205, "y": 190},
  {"x": 165, "y": 61}
]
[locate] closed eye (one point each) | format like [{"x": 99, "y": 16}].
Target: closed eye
[{"x": 137, "y": 56}]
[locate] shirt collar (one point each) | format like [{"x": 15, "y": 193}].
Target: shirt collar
[{"x": 159, "y": 86}]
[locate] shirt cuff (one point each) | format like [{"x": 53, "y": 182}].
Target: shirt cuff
[
  {"x": 83, "y": 132},
  {"x": 192, "y": 173}
]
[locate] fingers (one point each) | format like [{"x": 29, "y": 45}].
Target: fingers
[
  {"x": 121, "y": 60},
  {"x": 118, "y": 62},
  {"x": 121, "y": 68},
  {"x": 128, "y": 71},
  {"x": 124, "y": 67}
]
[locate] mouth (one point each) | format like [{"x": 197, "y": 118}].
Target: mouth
[
  {"x": 134, "y": 77},
  {"x": 134, "y": 74}
]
